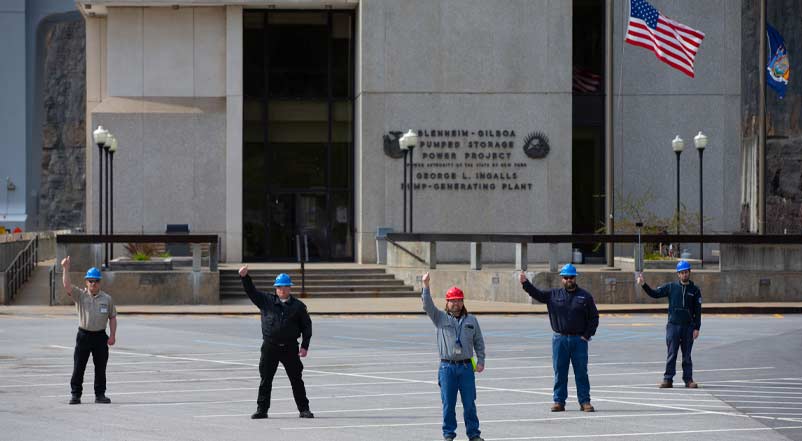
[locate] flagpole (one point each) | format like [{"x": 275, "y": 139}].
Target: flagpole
[
  {"x": 761, "y": 122},
  {"x": 609, "y": 191}
]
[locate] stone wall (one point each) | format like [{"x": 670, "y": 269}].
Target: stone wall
[
  {"x": 61, "y": 200},
  {"x": 783, "y": 117}
]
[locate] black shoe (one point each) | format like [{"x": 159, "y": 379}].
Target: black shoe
[
  {"x": 306, "y": 414},
  {"x": 102, "y": 399},
  {"x": 259, "y": 415},
  {"x": 76, "y": 399}
]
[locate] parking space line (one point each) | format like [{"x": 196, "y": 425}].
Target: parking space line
[
  {"x": 378, "y": 409},
  {"x": 641, "y": 434},
  {"x": 505, "y": 421}
]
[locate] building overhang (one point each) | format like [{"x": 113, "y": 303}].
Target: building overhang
[{"x": 99, "y": 8}]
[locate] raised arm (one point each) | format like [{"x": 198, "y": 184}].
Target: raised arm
[
  {"x": 257, "y": 297},
  {"x": 65, "y": 277},
  {"x": 436, "y": 315},
  {"x": 540, "y": 296},
  {"x": 655, "y": 294}
]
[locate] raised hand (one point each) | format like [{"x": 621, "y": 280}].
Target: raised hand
[
  {"x": 243, "y": 271},
  {"x": 425, "y": 280},
  {"x": 522, "y": 277},
  {"x": 639, "y": 279},
  {"x": 65, "y": 262}
]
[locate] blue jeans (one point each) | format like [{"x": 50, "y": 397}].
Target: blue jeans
[
  {"x": 453, "y": 378},
  {"x": 565, "y": 349},
  {"x": 679, "y": 336}
]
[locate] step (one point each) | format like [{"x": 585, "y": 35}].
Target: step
[
  {"x": 343, "y": 295},
  {"x": 324, "y": 282}
]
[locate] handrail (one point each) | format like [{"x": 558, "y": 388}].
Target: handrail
[
  {"x": 20, "y": 269},
  {"x": 792, "y": 239},
  {"x": 137, "y": 238},
  {"x": 521, "y": 241}
]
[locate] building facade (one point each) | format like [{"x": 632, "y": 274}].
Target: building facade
[{"x": 266, "y": 121}]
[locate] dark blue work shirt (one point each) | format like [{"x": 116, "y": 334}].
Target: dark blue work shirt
[
  {"x": 570, "y": 312},
  {"x": 684, "y": 302}
]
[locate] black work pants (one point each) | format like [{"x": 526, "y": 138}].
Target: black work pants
[
  {"x": 287, "y": 354},
  {"x": 97, "y": 344}
]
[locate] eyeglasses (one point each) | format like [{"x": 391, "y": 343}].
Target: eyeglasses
[{"x": 93, "y": 281}]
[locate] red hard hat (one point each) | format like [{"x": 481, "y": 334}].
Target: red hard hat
[{"x": 454, "y": 293}]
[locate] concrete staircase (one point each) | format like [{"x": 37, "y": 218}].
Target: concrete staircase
[{"x": 319, "y": 283}]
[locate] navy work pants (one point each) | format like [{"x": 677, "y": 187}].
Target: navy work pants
[{"x": 679, "y": 337}]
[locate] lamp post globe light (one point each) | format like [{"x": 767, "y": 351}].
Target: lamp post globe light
[
  {"x": 700, "y": 141},
  {"x": 677, "y": 144}
]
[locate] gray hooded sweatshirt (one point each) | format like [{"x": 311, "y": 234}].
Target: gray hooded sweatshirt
[{"x": 447, "y": 328}]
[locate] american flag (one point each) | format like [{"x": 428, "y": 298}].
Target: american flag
[
  {"x": 585, "y": 81},
  {"x": 672, "y": 42}
]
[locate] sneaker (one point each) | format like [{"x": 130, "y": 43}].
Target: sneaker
[
  {"x": 691, "y": 385},
  {"x": 587, "y": 407},
  {"x": 259, "y": 414},
  {"x": 666, "y": 385},
  {"x": 558, "y": 407},
  {"x": 477, "y": 438},
  {"x": 306, "y": 414},
  {"x": 76, "y": 399},
  {"x": 102, "y": 399},
  {"x": 448, "y": 438}
]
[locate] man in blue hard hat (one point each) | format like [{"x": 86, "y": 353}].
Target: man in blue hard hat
[
  {"x": 684, "y": 321},
  {"x": 284, "y": 319},
  {"x": 574, "y": 319},
  {"x": 95, "y": 309}
]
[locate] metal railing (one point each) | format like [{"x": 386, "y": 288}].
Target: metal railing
[
  {"x": 522, "y": 240},
  {"x": 18, "y": 271}
]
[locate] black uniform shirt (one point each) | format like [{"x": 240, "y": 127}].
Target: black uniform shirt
[
  {"x": 282, "y": 322},
  {"x": 570, "y": 312}
]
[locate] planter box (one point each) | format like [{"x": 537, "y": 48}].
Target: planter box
[{"x": 154, "y": 264}]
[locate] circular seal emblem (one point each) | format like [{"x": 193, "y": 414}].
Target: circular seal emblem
[
  {"x": 536, "y": 145},
  {"x": 391, "y": 146}
]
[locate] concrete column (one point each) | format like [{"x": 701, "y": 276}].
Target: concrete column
[
  {"x": 233, "y": 234},
  {"x": 521, "y": 256},
  {"x": 553, "y": 257},
  {"x": 476, "y": 255},
  {"x": 196, "y": 257},
  {"x": 432, "y": 255}
]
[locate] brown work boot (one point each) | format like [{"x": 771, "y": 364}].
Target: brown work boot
[
  {"x": 558, "y": 407},
  {"x": 691, "y": 385},
  {"x": 587, "y": 407},
  {"x": 666, "y": 385}
]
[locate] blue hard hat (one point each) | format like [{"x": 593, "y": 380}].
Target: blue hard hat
[
  {"x": 683, "y": 265},
  {"x": 283, "y": 280},
  {"x": 93, "y": 273},
  {"x": 568, "y": 270}
]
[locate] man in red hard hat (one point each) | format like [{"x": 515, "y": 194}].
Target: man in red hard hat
[{"x": 458, "y": 336}]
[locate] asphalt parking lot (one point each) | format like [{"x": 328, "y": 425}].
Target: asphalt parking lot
[{"x": 195, "y": 378}]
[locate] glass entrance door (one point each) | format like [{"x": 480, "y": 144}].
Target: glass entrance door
[{"x": 298, "y": 134}]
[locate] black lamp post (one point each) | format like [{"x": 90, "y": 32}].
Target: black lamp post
[
  {"x": 404, "y": 187},
  {"x": 100, "y": 136},
  {"x": 677, "y": 145},
  {"x": 110, "y": 200},
  {"x": 700, "y": 140},
  {"x": 408, "y": 142},
  {"x": 106, "y": 147}
]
